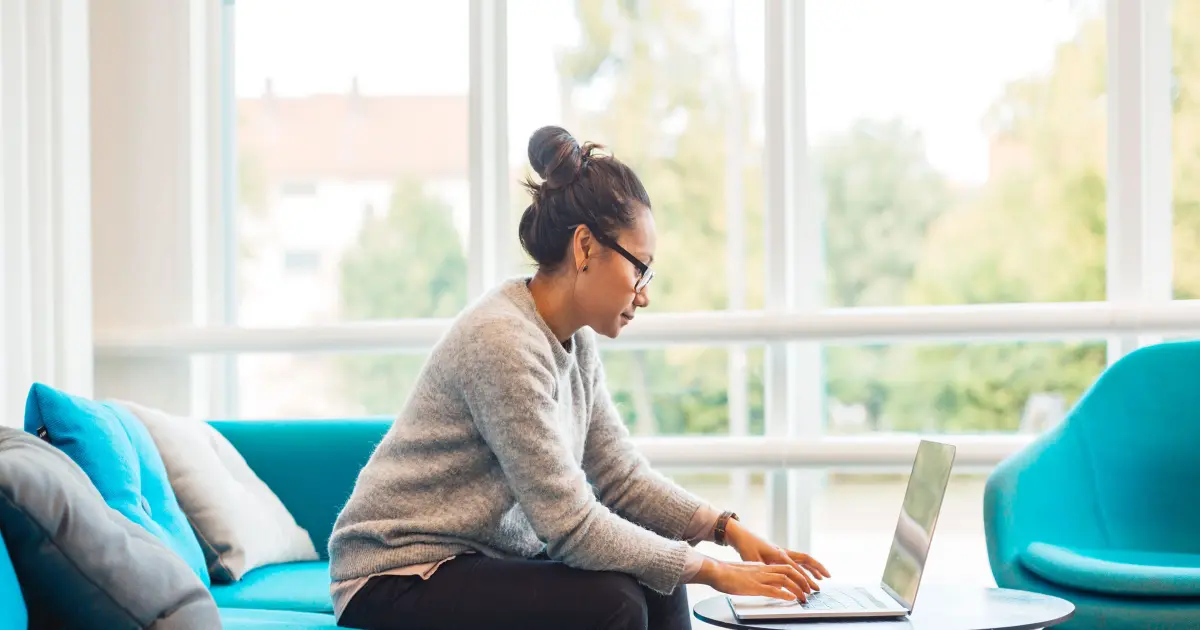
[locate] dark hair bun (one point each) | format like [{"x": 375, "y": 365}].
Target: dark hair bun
[
  {"x": 555, "y": 156},
  {"x": 578, "y": 187}
]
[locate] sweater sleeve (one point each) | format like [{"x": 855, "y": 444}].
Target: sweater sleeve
[
  {"x": 508, "y": 380},
  {"x": 624, "y": 479}
]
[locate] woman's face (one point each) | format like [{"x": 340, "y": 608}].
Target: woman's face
[{"x": 606, "y": 292}]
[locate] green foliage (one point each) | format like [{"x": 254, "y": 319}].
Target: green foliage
[
  {"x": 666, "y": 117},
  {"x": 407, "y": 264},
  {"x": 1185, "y": 42},
  {"x": 896, "y": 232},
  {"x": 881, "y": 195}
]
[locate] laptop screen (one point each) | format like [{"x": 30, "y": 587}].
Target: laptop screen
[{"x": 914, "y": 530}]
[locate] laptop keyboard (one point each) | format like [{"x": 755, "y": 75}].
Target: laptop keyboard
[{"x": 838, "y": 599}]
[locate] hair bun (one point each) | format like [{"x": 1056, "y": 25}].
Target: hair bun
[{"x": 555, "y": 156}]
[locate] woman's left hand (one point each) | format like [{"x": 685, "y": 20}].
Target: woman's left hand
[{"x": 752, "y": 548}]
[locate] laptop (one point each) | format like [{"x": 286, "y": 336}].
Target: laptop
[{"x": 897, "y": 591}]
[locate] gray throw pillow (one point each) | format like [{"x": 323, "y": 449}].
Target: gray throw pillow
[
  {"x": 82, "y": 564},
  {"x": 239, "y": 521}
]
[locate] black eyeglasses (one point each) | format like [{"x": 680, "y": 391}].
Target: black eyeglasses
[{"x": 645, "y": 273}]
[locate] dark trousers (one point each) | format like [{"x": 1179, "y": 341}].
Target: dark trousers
[{"x": 474, "y": 592}]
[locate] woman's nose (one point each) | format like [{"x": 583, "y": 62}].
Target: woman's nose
[{"x": 642, "y": 300}]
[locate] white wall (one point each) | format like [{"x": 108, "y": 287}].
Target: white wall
[
  {"x": 152, "y": 172},
  {"x": 45, "y": 289}
]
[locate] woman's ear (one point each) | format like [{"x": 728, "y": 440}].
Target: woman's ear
[{"x": 581, "y": 246}]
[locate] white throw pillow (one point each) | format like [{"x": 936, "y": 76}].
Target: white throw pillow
[{"x": 239, "y": 521}]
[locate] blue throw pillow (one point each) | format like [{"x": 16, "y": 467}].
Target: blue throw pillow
[{"x": 117, "y": 453}]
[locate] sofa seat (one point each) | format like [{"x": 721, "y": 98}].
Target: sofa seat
[
  {"x": 240, "y": 619},
  {"x": 1117, "y": 572},
  {"x": 295, "y": 586}
]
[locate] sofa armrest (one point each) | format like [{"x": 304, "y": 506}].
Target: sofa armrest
[
  {"x": 311, "y": 465},
  {"x": 12, "y": 602}
]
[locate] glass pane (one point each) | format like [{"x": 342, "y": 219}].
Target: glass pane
[
  {"x": 959, "y": 177},
  {"x": 743, "y": 491},
  {"x": 674, "y": 89},
  {"x": 1185, "y": 146},
  {"x": 688, "y": 390},
  {"x": 324, "y": 386},
  {"x": 955, "y": 388},
  {"x": 673, "y": 391},
  {"x": 352, "y": 198},
  {"x": 854, "y": 519}
]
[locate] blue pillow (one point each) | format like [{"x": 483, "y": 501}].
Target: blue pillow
[{"x": 117, "y": 453}]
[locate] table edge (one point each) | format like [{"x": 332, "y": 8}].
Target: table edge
[{"x": 1030, "y": 626}]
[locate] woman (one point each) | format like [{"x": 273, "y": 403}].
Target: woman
[{"x": 507, "y": 494}]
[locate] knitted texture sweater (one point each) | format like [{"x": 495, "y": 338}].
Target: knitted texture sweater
[{"x": 509, "y": 445}]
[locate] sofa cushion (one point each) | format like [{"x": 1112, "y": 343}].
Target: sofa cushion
[
  {"x": 299, "y": 586},
  {"x": 1119, "y": 572},
  {"x": 12, "y": 603},
  {"x": 81, "y": 563},
  {"x": 240, "y": 619},
  {"x": 239, "y": 521},
  {"x": 117, "y": 453}
]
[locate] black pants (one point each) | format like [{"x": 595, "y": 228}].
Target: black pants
[{"x": 474, "y": 592}]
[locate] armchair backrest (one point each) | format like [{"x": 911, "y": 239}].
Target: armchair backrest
[{"x": 1139, "y": 427}]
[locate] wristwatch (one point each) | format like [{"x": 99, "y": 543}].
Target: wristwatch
[{"x": 722, "y": 523}]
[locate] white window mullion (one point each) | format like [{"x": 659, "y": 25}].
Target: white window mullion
[
  {"x": 1157, "y": 276},
  {"x": 71, "y": 175},
  {"x": 487, "y": 138},
  {"x": 1135, "y": 230},
  {"x": 223, "y": 399},
  {"x": 776, "y": 374},
  {"x": 40, "y": 222},
  {"x": 735, "y": 249},
  {"x": 14, "y": 249},
  {"x": 205, "y": 153},
  {"x": 806, "y": 261}
]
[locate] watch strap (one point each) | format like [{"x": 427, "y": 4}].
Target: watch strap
[{"x": 719, "y": 530}]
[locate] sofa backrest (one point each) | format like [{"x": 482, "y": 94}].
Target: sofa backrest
[
  {"x": 311, "y": 465},
  {"x": 13, "y": 615}
]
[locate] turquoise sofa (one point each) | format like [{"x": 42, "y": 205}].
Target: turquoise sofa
[
  {"x": 1104, "y": 509},
  {"x": 311, "y": 465}
]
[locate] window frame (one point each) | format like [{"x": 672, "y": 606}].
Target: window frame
[{"x": 794, "y": 323}]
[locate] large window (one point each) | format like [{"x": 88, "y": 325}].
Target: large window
[
  {"x": 876, "y": 219},
  {"x": 942, "y": 179},
  {"x": 1185, "y": 145},
  {"x": 941, "y": 163},
  {"x": 957, "y": 388},
  {"x": 674, "y": 88},
  {"x": 352, "y": 201},
  {"x": 352, "y": 148},
  {"x": 688, "y": 390},
  {"x": 288, "y": 385}
]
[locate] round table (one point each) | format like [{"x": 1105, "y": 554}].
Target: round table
[{"x": 937, "y": 608}]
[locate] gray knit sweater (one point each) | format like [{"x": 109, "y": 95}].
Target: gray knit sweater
[{"x": 509, "y": 445}]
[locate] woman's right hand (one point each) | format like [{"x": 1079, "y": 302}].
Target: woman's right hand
[{"x": 780, "y": 581}]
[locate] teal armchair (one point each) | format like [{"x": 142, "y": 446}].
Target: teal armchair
[{"x": 1104, "y": 509}]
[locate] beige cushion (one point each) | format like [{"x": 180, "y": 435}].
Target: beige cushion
[{"x": 239, "y": 521}]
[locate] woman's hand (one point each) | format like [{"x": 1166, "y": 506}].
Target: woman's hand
[
  {"x": 754, "y": 549},
  {"x": 779, "y": 581}
]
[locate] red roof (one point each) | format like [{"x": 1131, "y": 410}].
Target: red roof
[{"x": 355, "y": 136}]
